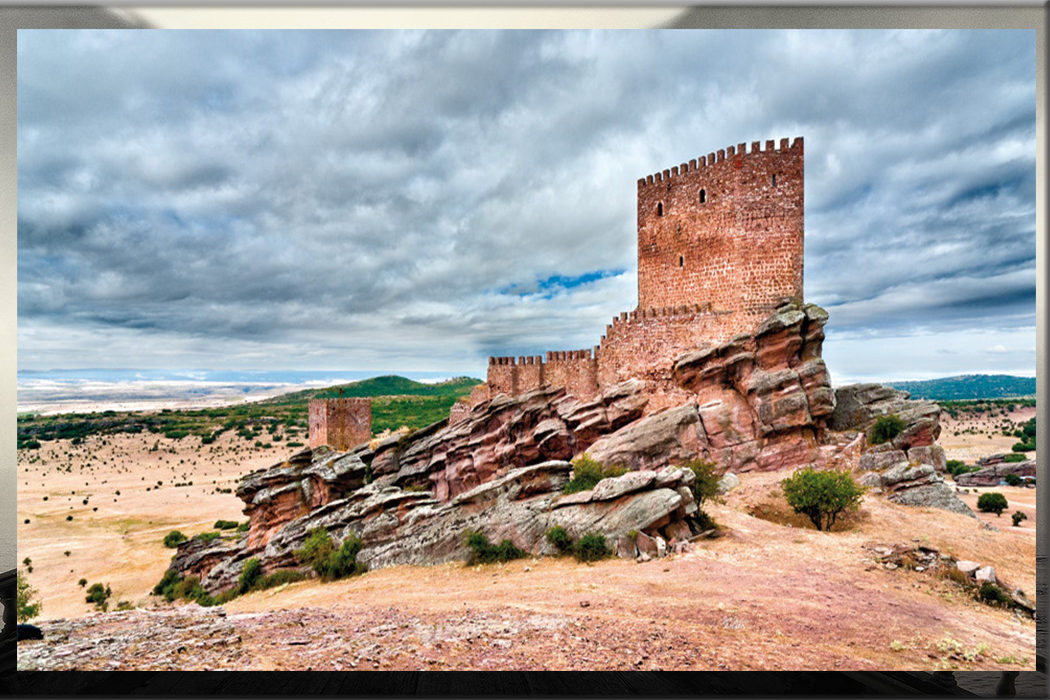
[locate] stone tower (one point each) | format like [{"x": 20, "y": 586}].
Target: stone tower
[
  {"x": 340, "y": 423},
  {"x": 723, "y": 231}
]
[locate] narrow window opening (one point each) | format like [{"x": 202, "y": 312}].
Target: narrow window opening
[
  {"x": 660, "y": 209},
  {"x": 703, "y": 196},
  {"x": 774, "y": 179},
  {"x": 681, "y": 261}
]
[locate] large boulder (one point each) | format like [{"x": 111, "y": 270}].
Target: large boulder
[
  {"x": 858, "y": 406},
  {"x": 673, "y": 435}
]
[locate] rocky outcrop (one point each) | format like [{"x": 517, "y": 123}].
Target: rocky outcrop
[
  {"x": 398, "y": 526},
  {"x": 993, "y": 475},
  {"x": 858, "y": 406},
  {"x": 501, "y": 434},
  {"x": 763, "y": 399}
]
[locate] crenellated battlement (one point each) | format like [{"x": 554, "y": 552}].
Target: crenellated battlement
[
  {"x": 722, "y": 156},
  {"x": 720, "y": 243}
]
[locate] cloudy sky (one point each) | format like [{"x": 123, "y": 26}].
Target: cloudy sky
[{"x": 419, "y": 201}]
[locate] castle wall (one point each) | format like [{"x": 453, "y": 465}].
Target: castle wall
[
  {"x": 738, "y": 250},
  {"x": 640, "y": 342},
  {"x": 340, "y": 423}
]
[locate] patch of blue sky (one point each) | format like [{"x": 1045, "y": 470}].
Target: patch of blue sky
[{"x": 554, "y": 285}]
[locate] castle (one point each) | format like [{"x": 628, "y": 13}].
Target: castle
[{"x": 720, "y": 246}]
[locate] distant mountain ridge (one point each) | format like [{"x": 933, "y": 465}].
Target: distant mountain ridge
[{"x": 969, "y": 386}]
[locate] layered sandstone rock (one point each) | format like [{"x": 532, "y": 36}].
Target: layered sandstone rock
[
  {"x": 994, "y": 474},
  {"x": 411, "y": 527}
]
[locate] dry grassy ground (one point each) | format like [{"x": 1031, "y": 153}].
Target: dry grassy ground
[
  {"x": 117, "y": 536},
  {"x": 772, "y": 594}
]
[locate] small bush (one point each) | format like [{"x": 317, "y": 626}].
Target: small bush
[
  {"x": 1014, "y": 457},
  {"x": 591, "y": 547},
  {"x": 483, "y": 552},
  {"x": 1023, "y": 447},
  {"x": 821, "y": 495},
  {"x": 99, "y": 595},
  {"x": 1013, "y": 480},
  {"x": 82, "y": 582},
  {"x": 558, "y": 537},
  {"x": 993, "y": 502},
  {"x": 250, "y": 575},
  {"x": 993, "y": 595},
  {"x": 705, "y": 485},
  {"x": 320, "y": 553},
  {"x": 1017, "y": 517},
  {"x": 25, "y": 608},
  {"x": 166, "y": 586},
  {"x": 225, "y": 524},
  {"x": 173, "y": 539},
  {"x": 587, "y": 472},
  {"x": 207, "y": 536},
  {"x": 243, "y": 527},
  {"x": 885, "y": 429}
]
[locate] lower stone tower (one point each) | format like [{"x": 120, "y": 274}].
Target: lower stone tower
[{"x": 340, "y": 423}]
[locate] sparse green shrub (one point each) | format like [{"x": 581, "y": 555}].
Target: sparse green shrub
[
  {"x": 225, "y": 524},
  {"x": 1017, "y": 517},
  {"x": 173, "y": 539},
  {"x": 295, "y": 443},
  {"x": 1012, "y": 480},
  {"x": 705, "y": 485},
  {"x": 99, "y": 595},
  {"x": 250, "y": 575},
  {"x": 885, "y": 429},
  {"x": 992, "y": 502},
  {"x": 279, "y": 577},
  {"x": 560, "y": 539},
  {"x": 1014, "y": 457},
  {"x": 993, "y": 595},
  {"x": 821, "y": 495},
  {"x": 25, "y": 608},
  {"x": 1023, "y": 447},
  {"x": 483, "y": 552},
  {"x": 320, "y": 553},
  {"x": 243, "y": 527},
  {"x": 591, "y": 547},
  {"x": 587, "y": 472},
  {"x": 166, "y": 586},
  {"x": 207, "y": 536},
  {"x": 82, "y": 582}
]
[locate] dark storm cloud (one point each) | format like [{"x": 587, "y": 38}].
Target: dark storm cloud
[{"x": 350, "y": 199}]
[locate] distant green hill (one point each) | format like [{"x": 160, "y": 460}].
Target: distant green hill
[
  {"x": 969, "y": 386},
  {"x": 389, "y": 385}
]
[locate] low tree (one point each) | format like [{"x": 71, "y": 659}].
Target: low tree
[
  {"x": 1017, "y": 517},
  {"x": 821, "y": 495},
  {"x": 1012, "y": 480},
  {"x": 587, "y": 472},
  {"x": 174, "y": 539},
  {"x": 25, "y": 608},
  {"x": 99, "y": 595},
  {"x": 993, "y": 502}
]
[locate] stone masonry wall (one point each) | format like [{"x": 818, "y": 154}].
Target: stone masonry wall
[{"x": 340, "y": 423}]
